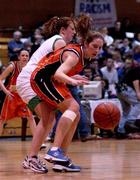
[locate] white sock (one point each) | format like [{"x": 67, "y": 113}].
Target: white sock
[{"x": 54, "y": 148}]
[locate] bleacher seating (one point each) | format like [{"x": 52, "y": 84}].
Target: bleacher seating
[{"x": 4, "y": 49}]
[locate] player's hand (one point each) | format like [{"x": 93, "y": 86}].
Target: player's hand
[
  {"x": 10, "y": 95},
  {"x": 76, "y": 82},
  {"x": 79, "y": 77}
]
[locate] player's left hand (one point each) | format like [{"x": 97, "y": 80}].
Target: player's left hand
[{"x": 80, "y": 77}]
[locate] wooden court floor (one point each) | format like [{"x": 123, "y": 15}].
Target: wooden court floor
[{"x": 100, "y": 160}]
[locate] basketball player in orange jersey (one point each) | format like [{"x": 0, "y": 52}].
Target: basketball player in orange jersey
[
  {"x": 49, "y": 81},
  {"x": 13, "y": 106}
]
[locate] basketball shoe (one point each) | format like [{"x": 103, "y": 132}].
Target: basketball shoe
[
  {"x": 56, "y": 155},
  {"x": 66, "y": 167},
  {"x": 35, "y": 164}
]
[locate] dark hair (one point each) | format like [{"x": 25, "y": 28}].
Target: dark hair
[
  {"x": 84, "y": 24},
  {"x": 14, "y": 57},
  {"x": 22, "y": 49},
  {"x": 18, "y": 54},
  {"x": 54, "y": 25},
  {"x": 84, "y": 28},
  {"x": 91, "y": 35}
]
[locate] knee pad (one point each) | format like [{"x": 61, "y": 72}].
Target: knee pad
[{"x": 70, "y": 115}]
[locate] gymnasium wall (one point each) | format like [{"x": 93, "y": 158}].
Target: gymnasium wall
[
  {"x": 32, "y": 13},
  {"x": 130, "y": 9}
]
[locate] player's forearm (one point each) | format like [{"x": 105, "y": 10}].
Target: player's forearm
[{"x": 63, "y": 78}]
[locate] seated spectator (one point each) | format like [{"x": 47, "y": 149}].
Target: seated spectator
[
  {"x": 104, "y": 54},
  {"x": 131, "y": 94},
  {"x": 136, "y": 54},
  {"x": 95, "y": 69},
  {"x": 104, "y": 85},
  {"x": 116, "y": 31},
  {"x": 28, "y": 45},
  {"x": 118, "y": 62},
  {"x": 110, "y": 74},
  {"x": 126, "y": 26},
  {"x": 37, "y": 39},
  {"x": 15, "y": 45},
  {"x": 126, "y": 48},
  {"x": 88, "y": 73},
  {"x": 136, "y": 41},
  {"x": 123, "y": 70},
  {"x": 108, "y": 39}
]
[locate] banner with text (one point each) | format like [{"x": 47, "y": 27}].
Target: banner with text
[{"x": 103, "y": 12}]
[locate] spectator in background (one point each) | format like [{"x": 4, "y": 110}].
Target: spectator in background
[
  {"x": 126, "y": 26},
  {"x": 108, "y": 39},
  {"x": 136, "y": 41},
  {"x": 128, "y": 64},
  {"x": 116, "y": 31},
  {"x": 126, "y": 48},
  {"x": 116, "y": 56},
  {"x": 136, "y": 54},
  {"x": 37, "y": 39},
  {"x": 123, "y": 70},
  {"x": 95, "y": 70},
  {"x": 110, "y": 74},
  {"x": 28, "y": 45},
  {"x": 131, "y": 93},
  {"x": 117, "y": 44},
  {"x": 15, "y": 45}
]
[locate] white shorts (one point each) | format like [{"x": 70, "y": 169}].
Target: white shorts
[{"x": 24, "y": 88}]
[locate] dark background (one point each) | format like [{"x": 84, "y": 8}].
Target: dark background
[{"x": 31, "y": 13}]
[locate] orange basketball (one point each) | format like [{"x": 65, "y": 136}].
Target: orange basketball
[{"x": 106, "y": 115}]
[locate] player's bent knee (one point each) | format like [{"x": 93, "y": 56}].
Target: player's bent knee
[{"x": 70, "y": 115}]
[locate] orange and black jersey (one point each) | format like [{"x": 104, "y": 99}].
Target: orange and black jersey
[
  {"x": 52, "y": 61},
  {"x": 42, "y": 78}
]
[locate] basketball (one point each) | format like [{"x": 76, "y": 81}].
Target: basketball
[{"x": 106, "y": 115}]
